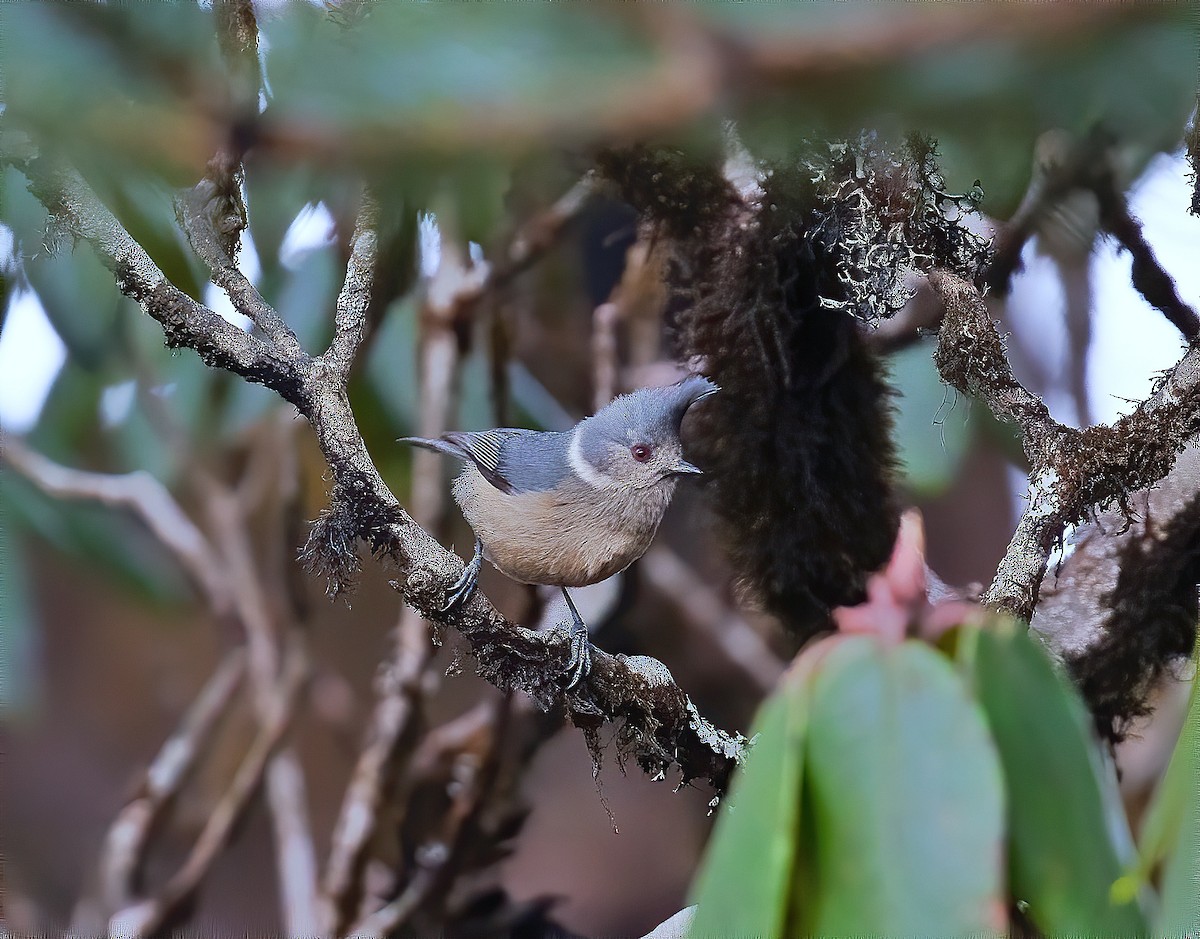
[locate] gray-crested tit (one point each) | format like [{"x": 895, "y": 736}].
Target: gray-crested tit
[{"x": 570, "y": 508}]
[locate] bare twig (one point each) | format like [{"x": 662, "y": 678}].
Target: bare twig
[
  {"x": 540, "y": 234},
  {"x": 472, "y": 744},
  {"x": 1148, "y": 276},
  {"x": 1062, "y": 166},
  {"x": 397, "y": 687},
  {"x": 147, "y": 916},
  {"x": 350, "y": 319},
  {"x": 285, "y": 789},
  {"x": 125, "y": 842},
  {"x": 604, "y": 353},
  {"x": 143, "y": 495},
  {"x": 705, "y": 612},
  {"x": 385, "y": 920},
  {"x": 1192, "y": 139}
]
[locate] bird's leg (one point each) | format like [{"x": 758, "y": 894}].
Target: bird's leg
[
  {"x": 461, "y": 590},
  {"x": 580, "y": 662}
]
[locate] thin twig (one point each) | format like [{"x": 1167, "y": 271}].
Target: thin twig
[
  {"x": 1063, "y": 166},
  {"x": 125, "y": 842},
  {"x": 704, "y": 611},
  {"x": 198, "y": 209},
  {"x": 541, "y": 233},
  {"x": 285, "y": 789},
  {"x": 143, "y": 495},
  {"x": 149, "y": 915},
  {"x": 472, "y": 742},
  {"x": 604, "y": 353},
  {"x": 1148, "y": 276},
  {"x": 398, "y": 685}
]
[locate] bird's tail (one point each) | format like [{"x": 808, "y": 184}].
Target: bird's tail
[{"x": 438, "y": 445}]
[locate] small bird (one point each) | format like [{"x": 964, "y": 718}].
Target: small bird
[{"x": 571, "y": 508}]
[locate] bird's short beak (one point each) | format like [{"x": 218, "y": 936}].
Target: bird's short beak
[{"x": 684, "y": 468}]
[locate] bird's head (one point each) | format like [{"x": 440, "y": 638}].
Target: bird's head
[{"x": 633, "y": 442}]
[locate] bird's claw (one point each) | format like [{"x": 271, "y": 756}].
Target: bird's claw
[
  {"x": 460, "y": 591},
  {"x": 579, "y": 664}
]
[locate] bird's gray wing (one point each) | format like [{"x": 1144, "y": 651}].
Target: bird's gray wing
[
  {"x": 535, "y": 461},
  {"x": 485, "y": 449},
  {"x": 513, "y": 459}
]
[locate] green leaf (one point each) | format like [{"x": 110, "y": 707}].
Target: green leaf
[
  {"x": 1171, "y": 831},
  {"x": 1063, "y": 858},
  {"x": 745, "y": 879},
  {"x": 905, "y": 795}
]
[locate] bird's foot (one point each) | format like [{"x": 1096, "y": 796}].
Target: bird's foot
[
  {"x": 460, "y": 591},
  {"x": 580, "y": 662}
]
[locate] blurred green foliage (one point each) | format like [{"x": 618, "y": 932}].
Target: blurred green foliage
[
  {"x": 933, "y": 422},
  {"x": 441, "y": 104},
  {"x": 889, "y": 784},
  {"x": 1171, "y": 831}
]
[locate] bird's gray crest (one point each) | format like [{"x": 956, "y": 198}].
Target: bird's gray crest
[{"x": 647, "y": 415}]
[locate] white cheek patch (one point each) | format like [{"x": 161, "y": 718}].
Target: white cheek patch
[{"x": 583, "y": 469}]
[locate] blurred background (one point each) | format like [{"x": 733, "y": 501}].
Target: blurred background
[{"x": 528, "y": 302}]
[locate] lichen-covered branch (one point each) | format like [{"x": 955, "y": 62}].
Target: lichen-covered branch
[
  {"x": 1123, "y": 606},
  {"x": 1073, "y": 472},
  {"x": 350, "y": 316},
  {"x": 186, "y": 323},
  {"x": 199, "y": 213}
]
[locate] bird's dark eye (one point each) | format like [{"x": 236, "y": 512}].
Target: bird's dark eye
[{"x": 641, "y": 452}]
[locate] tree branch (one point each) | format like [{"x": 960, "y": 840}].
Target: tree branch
[
  {"x": 186, "y": 323},
  {"x": 1124, "y": 604},
  {"x": 1073, "y": 472},
  {"x": 397, "y": 688},
  {"x": 197, "y": 210},
  {"x": 1148, "y": 276},
  {"x": 659, "y": 726},
  {"x": 350, "y": 318},
  {"x": 1063, "y": 166}
]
